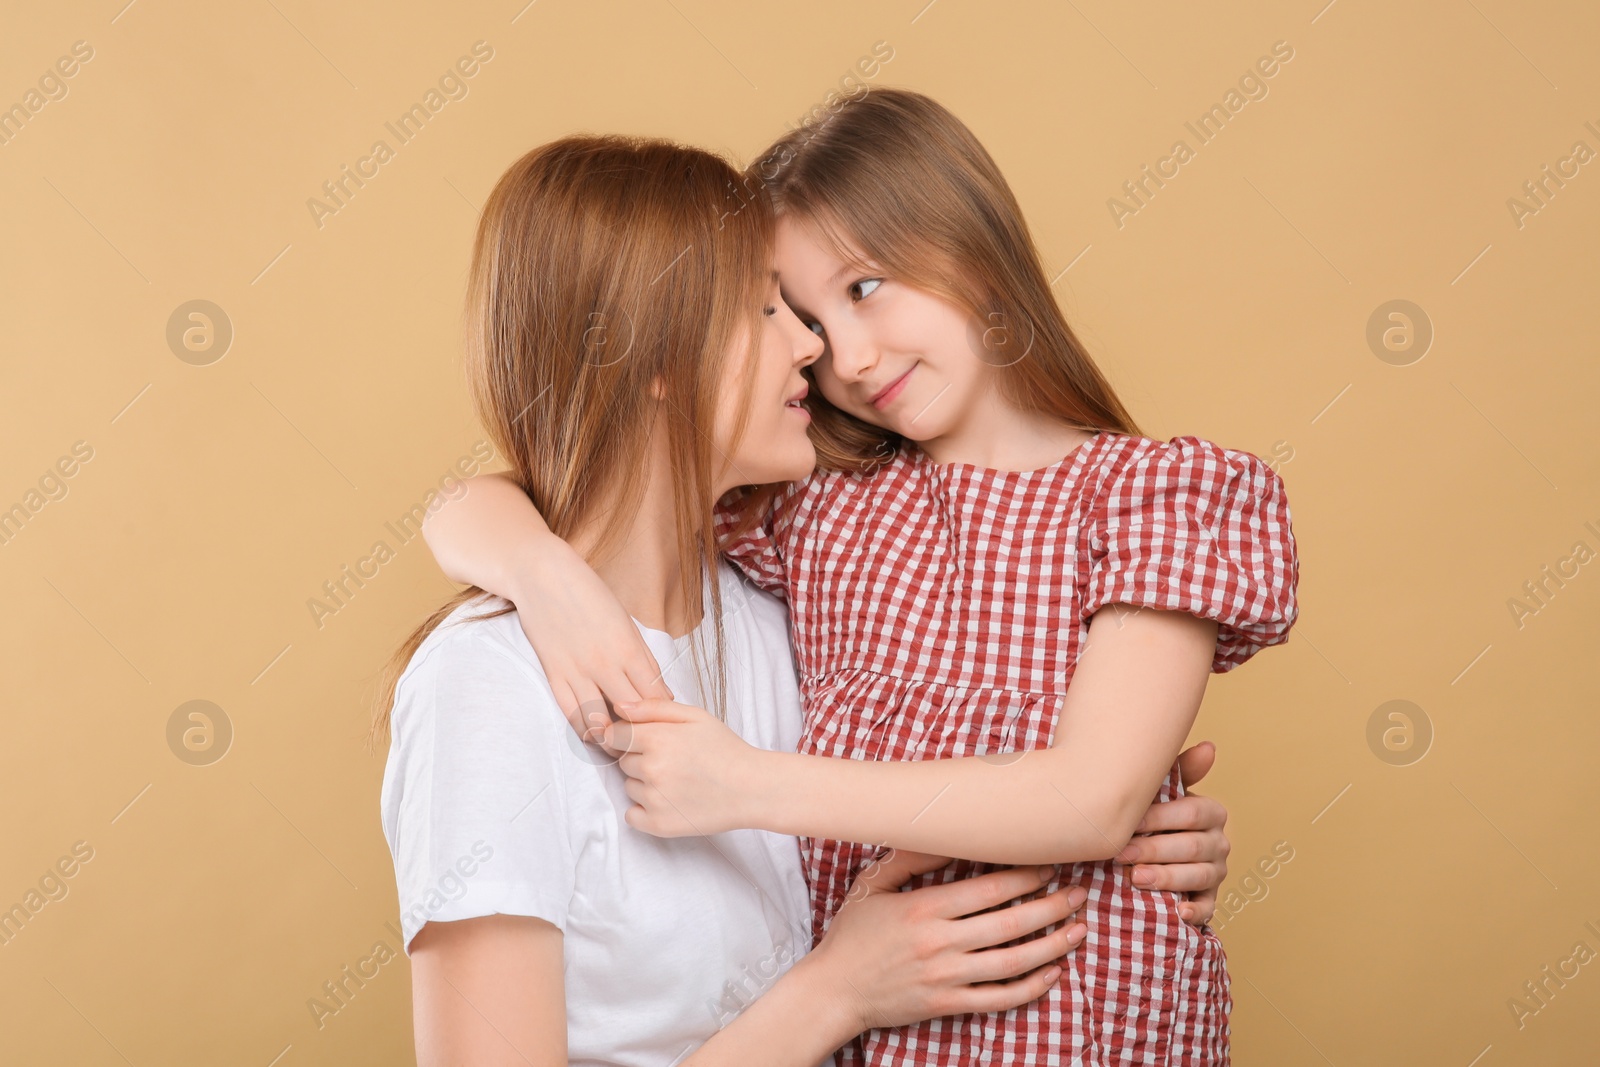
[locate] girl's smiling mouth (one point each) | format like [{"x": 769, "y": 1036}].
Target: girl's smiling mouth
[{"x": 892, "y": 390}]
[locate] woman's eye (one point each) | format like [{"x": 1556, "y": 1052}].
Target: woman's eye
[
  {"x": 864, "y": 287},
  {"x": 815, "y": 327},
  {"x": 769, "y": 311}
]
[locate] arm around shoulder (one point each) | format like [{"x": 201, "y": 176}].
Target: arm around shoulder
[{"x": 489, "y": 535}]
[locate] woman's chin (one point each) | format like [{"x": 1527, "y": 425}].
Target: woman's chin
[{"x": 800, "y": 460}]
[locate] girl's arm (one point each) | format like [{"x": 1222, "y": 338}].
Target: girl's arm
[
  {"x": 1132, "y": 701},
  {"x": 489, "y": 990},
  {"x": 494, "y": 538}
]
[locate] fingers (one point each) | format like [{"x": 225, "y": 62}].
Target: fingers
[
  {"x": 1176, "y": 877},
  {"x": 591, "y": 707},
  {"x": 997, "y": 964},
  {"x": 1005, "y": 995},
  {"x": 618, "y": 687},
  {"x": 569, "y": 706},
  {"x": 1184, "y": 813},
  {"x": 1185, "y": 846},
  {"x": 1007, "y": 924},
  {"x": 645, "y": 676},
  {"x": 637, "y": 791},
  {"x": 894, "y": 869},
  {"x": 1195, "y": 762},
  {"x": 654, "y": 710},
  {"x": 969, "y": 895},
  {"x": 1200, "y": 908}
]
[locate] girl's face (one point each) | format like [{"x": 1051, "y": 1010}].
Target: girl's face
[
  {"x": 774, "y": 446},
  {"x": 895, "y": 356}
]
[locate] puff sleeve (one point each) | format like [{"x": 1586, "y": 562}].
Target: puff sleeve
[
  {"x": 1191, "y": 526},
  {"x": 762, "y": 551}
]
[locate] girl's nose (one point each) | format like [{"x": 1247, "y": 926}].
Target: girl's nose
[{"x": 853, "y": 356}]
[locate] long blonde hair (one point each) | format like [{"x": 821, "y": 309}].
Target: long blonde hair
[
  {"x": 603, "y": 264},
  {"x": 896, "y": 174}
]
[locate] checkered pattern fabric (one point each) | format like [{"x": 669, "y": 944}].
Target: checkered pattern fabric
[{"x": 939, "y": 610}]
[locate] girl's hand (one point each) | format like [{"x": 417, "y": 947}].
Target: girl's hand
[
  {"x": 688, "y": 773},
  {"x": 589, "y": 646},
  {"x": 1180, "y": 844},
  {"x": 901, "y": 957}
]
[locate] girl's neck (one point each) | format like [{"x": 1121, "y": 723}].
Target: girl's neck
[{"x": 997, "y": 434}]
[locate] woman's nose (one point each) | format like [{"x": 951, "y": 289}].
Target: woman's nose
[{"x": 808, "y": 347}]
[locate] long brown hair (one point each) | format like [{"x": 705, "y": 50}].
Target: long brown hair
[
  {"x": 603, "y": 264},
  {"x": 904, "y": 180}
]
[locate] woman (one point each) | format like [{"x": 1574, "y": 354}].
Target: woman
[{"x": 629, "y": 353}]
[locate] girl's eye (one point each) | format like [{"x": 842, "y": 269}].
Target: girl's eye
[
  {"x": 864, "y": 288},
  {"x": 815, "y": 327},
  {"x": 770, "y": 310}
]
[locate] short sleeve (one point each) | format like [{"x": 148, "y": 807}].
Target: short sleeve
[
  {"x": 1191, "y": 526},
  {"x": 761, "y": 551},
  {"x": 474, "y": 805}
]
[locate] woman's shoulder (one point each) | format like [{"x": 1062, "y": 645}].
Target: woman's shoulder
[
  {"x": 479, "y": 670},
  {"x": 471, "y": 634}
]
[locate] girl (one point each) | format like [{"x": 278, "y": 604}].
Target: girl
[
  {"x": 541, "y": 930},
  {"x": 1005, "y": 601}
]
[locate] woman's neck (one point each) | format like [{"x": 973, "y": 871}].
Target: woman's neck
[{"x": 644, "y": 568}]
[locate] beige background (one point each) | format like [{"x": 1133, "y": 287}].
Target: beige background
[{"x": 1422, "y": 894}]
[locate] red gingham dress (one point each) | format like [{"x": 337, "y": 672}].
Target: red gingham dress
[{"x": 938, "y": 610}]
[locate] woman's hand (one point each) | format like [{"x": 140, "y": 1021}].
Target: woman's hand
[
  {"x": 1180, "y": 844},
  {"x": 901, "y": 957},
  {"x": 688, "y": 773}
]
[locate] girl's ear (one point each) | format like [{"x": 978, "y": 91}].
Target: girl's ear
[{"x": 657, "y": 390}]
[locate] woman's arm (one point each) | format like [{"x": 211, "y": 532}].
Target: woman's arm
[
  {"x": 891, "y": 958},
  {"x": 1132, "y": 701},
  {"x": 489, "y": 990}
]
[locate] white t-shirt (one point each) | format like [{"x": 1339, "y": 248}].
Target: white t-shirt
[{"x": 492, "y": 805}]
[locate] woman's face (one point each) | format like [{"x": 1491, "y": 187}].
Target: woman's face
[
  {"x": 895, "y": 356},
  {"x": 774, "y": 446}
]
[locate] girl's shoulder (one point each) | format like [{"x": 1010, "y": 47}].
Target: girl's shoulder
[
  {"x": 1133, "y": 469},
  {"x": 1189, "y": 525}
]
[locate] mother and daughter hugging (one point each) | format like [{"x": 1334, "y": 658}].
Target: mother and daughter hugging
[{"x": 828, "y": 647}]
